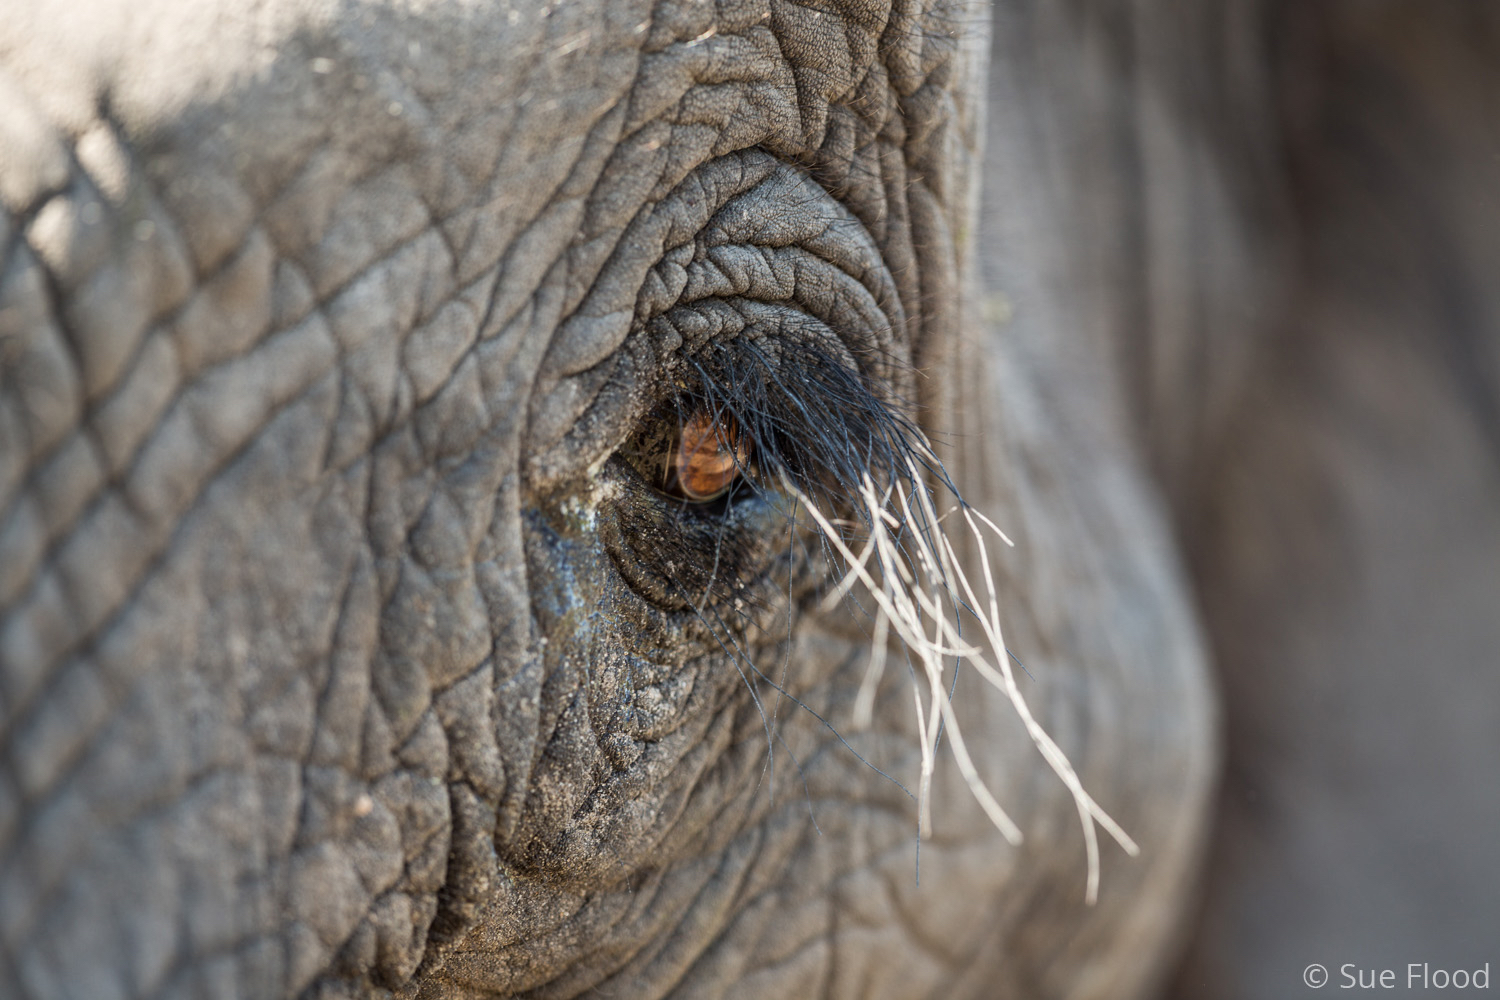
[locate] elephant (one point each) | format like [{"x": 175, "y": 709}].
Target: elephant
[{"x": 522, "y": 498}]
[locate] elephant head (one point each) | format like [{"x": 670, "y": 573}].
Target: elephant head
[{"x": 432, "y": 441}]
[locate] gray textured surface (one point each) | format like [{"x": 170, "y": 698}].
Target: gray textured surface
[
  {"x": 322, "y": 674},
  {"x": 338, "y": 657}
]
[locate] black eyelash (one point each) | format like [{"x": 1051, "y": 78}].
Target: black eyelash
[{"x": 813, "y": 419}]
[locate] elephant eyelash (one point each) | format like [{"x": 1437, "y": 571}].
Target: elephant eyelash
[
  {"x": 758, "y": 418},
  {"x": 809, "y": 418},
  {"x": 867, "y": 477},
  {"x": 856, "y": 473}
]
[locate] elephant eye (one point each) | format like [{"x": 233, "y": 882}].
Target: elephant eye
[
  {"x": 691, "y": 452},
  {"x": 706, "y": 456}
]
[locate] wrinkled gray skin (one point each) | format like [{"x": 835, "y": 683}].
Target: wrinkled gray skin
[{"x": 325, "y": 665}]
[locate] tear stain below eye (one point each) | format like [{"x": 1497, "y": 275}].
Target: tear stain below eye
[{"x": 709, "y": 456}]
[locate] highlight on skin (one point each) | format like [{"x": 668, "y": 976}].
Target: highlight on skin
[{"x": 794, "y": 419}]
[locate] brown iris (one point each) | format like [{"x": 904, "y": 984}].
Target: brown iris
[{"x": 707, "y": 458}]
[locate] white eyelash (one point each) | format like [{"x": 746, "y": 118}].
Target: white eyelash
[{"x": 910, "y": 599}]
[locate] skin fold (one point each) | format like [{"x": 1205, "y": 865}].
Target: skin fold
[{"x": 350, "y": 644}]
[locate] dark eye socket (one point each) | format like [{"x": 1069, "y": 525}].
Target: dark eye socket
[{"x": 695, "y": 455}]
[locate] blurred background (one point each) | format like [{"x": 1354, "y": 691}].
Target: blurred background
[{"x": 1281, "y": 221}]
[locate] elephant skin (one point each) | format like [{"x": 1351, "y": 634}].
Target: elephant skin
[
  {"x": 327, "y": 665},
  {"x": 347, "y": 650}
]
